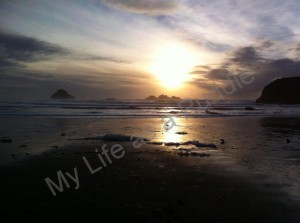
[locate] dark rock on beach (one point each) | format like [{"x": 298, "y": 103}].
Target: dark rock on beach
[
  {"x": 6, "y": 140},
  {"x": 281, "y": 91},
  {"x": 194, "y": 143},
  {"x": 181, "y": 133},
  {"x": 155, "y": 143},
  {"x": 172, "y": 144}
]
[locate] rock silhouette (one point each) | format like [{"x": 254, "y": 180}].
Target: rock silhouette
[
  {"x": 162, "y": 97},
  {"x": 281, "y": 91},
  {"x": 62, "y": 94}
]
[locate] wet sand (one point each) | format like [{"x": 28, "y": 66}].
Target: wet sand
[{"x": 150, "y": 184}]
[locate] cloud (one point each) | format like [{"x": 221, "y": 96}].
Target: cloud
[
  {"x": 218, "y": 74},
  {"x": 17, "y": 48},
  {"x": 99, "y": 58},
  {"x": 296, "y": 50},
  {"x": 247, "y": 60},
  {"x": 245, "y": 57},
  {"x": 266, "y": 44},
  {"x": 155, "y": 7},
  {"x": 5, "y": 63},
  {"x": 269, "y": 28}
]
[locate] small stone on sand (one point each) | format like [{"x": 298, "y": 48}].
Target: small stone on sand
[
  {"x": 181, "y": 133},
  {"x": 6, "y": 140}
]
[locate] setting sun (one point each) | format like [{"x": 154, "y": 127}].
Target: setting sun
[{"x": 172, "y": 63}]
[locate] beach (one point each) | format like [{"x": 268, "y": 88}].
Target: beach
[
  {"x": 150, "y": 111},
  {"x": 250, "y": 176}
]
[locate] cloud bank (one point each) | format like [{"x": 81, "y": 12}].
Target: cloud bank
[
  {"x": 17, "y": 48},
  {"x": 246, "y": 60}
]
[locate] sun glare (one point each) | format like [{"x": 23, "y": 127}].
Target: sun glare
[{"x": 172, "y": 64}]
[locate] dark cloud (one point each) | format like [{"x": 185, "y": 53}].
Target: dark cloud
[
  {"x": 145, "y": 6},
  {"x": 247, "y": 60},
  {"x": 218, "y": 74},
  {"x": 17, "y": 48},
  {"x": 5, "y": 63},
  {"x": 244, "y": 57},
  {"x": 281, "y": 68},
  {"x": 266, "y": 44}
]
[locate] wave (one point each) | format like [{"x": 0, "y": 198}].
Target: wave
[{"x": 115, "y": 109}]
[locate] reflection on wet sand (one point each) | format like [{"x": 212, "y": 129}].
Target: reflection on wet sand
[{"x": 281, "y": 127}]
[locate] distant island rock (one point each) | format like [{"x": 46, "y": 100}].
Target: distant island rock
[
  {"x": 281, "y": 91},
  {"x": 62, "y": 94},
  {"x": 151, "y": 98},
  {"x": 162, "y": 97}
]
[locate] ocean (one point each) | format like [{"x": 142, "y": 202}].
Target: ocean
[{"x": 142, "y": 108}]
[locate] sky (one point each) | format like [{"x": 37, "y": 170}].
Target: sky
[{"x": 131, "y": 49}]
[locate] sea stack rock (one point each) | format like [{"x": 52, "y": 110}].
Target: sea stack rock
[
  {"x": 281, "y": 91},
  {"x": 62, "y": 94}
]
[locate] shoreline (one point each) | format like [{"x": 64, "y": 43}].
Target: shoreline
[{"x": 157, "y": 182}]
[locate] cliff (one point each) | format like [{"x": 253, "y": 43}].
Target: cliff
[{"x": 281, "y": 91}]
